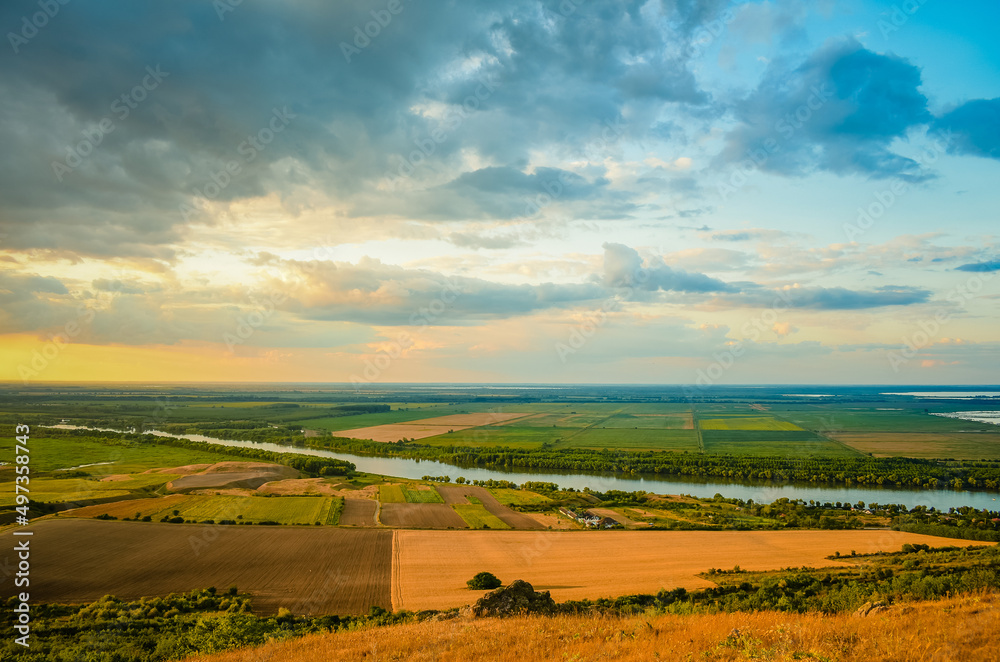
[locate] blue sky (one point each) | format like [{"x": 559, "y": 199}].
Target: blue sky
[{"x": 644, "y": 192}]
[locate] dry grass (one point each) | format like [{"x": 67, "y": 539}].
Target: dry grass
[
  {"x": 431, "y": 567},
  {"x": 957, "y": 629}
]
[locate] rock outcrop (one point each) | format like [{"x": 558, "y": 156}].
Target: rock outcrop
[{"x": 519, "y": 597}]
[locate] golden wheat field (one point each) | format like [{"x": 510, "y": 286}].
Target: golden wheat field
[
  {"x": 954, "y": 630},
  {"x": 430, "y": 568}
]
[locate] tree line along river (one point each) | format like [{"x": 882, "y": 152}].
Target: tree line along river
[{"x": 760, "y": 492}]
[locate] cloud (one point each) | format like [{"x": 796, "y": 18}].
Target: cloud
[
  {"x": 783, "y": 329},
  {"x": 624, "y": 268},
  {"x": 478, "y": 241},
  {"x": 973, "y": 128},
  {"x": 745, "y": 235},
  {"x": 838, "y": 111},
  {"x": 840, "y": 298},
  {"x": 372, "y": 292},
  {"x": 591, "y": 77},
  {"x": 991, "y": 265}
]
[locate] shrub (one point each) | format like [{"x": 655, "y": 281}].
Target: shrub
[{"x": 484, "y": 581}]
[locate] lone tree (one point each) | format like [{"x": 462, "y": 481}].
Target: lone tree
[{"x": 484, "y": 581}]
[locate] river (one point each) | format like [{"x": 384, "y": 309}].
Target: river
[{"x": 759, "y": 492}]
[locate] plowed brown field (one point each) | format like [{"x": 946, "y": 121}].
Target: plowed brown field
[
  {"x": 358, "y": 512},
  {"x": 431, "y": 567},
  {"x": 421, "y": 516},
  {"x": 309, "y": 571}
]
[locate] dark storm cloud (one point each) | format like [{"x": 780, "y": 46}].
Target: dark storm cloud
[
  {"x": 221, "y": 79},
  {"x": 838, "y": 111}
]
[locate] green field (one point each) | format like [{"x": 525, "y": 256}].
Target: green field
[
  {"x": 53, "y": 453},
  {"x": 746, "y": 423},
  {"x": 391, "y": 494},
  {"x": 422, "y": 496},
  {"x": 643, "y": 439},
  {"x": 497, "y": 435},
  {"x": 477, "y": 517},
  {"x": 654, "y": 421},
  {"x": 517, "y": 497},
  {"x": 764, "y": 442},
  {"x": 285, "y": 510},
  {"x": 336, "y": 509},
  {"x": 64, "y": 491}
]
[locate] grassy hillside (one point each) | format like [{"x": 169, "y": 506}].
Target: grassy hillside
[{"x": 954, "y": 629}]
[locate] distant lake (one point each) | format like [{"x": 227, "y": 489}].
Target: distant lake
[
  {"x": 978, "y": 416},
  {"x": 954, "y": 395},
  {"x": 759, "y": 491}
]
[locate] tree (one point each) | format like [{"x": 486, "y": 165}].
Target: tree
[{"x": 484, "y": 581}]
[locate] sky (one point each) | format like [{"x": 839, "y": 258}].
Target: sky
[{"x": 552, "y": 191}]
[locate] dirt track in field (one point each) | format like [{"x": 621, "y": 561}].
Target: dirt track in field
[
  {"x": 592, "y": 564},
  {"x": 421, "y": 516},
  {"x": 315, "y": 571},
  {"x": 456, "y": 494},
  {"x": 358, "y": 512}
]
